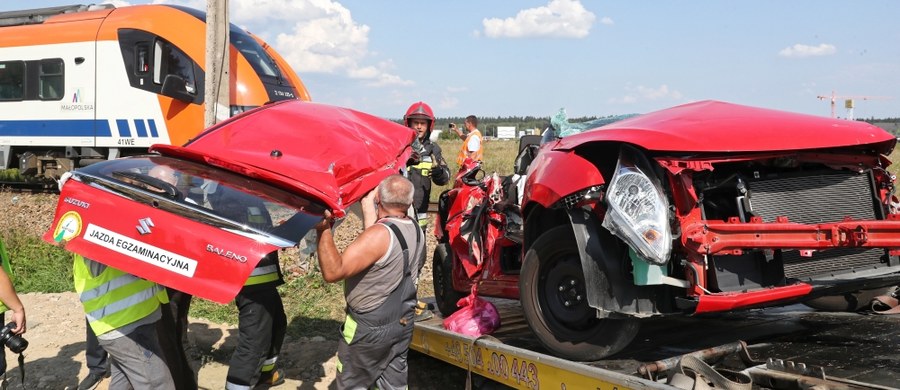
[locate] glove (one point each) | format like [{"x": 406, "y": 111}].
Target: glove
[{"x": 440, "y": 175}]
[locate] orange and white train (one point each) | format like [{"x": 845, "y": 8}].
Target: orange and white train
[{"x": 80, "y": 84}]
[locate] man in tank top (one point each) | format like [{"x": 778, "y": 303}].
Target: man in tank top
[{"x": 379, "y": 270}]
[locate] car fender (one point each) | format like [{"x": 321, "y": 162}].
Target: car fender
[{"x": 556, "y": 173}]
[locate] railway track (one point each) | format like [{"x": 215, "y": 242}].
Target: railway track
[{"x": 29, "y": 187}]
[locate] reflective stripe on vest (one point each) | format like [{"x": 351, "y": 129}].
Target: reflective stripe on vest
[
  {"x": 6, "y": 268},
  {"x": 263, "y": 274},
  {"x": 464, "y": 150},
  {"x": 424, "y": 167},
  {"x": 114, "y": 298}
]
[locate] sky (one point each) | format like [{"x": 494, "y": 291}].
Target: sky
[{"x": 592, "y": 58}]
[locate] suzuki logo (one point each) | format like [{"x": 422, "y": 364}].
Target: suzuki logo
[{"x": 144, "y": 225}]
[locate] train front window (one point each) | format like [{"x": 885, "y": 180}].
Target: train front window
[
  {"x": 254, "y": 53},
  {"x": 168, "y": 59}
]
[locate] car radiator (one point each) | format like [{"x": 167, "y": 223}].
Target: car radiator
[{"x": 816, "y": 198}]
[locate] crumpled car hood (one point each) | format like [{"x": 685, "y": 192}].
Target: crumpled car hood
[
  {"x": 714, "y": 126},
  {"x": 332, "y": 154}
]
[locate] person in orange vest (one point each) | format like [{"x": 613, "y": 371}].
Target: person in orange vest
[{"x": 472, "y": 141}]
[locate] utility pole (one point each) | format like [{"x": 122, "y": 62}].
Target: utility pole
[{"x": 218, "y": 80}]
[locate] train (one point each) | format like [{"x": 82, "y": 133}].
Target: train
[{"x": 86, "y": 83}]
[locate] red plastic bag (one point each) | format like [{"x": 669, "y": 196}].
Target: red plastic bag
[{"x": 475, "y": 317}]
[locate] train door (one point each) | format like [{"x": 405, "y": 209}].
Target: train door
[{"x": 152, "y": 86}]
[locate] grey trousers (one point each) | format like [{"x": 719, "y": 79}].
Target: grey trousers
[{"x": 137, "y": 361}]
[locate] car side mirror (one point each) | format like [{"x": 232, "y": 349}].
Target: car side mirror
[{"x": 174, "y": 87}]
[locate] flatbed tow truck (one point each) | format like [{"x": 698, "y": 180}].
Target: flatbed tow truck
[{"x": 792, "y": 347}]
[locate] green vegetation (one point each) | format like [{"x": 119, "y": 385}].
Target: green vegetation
[
  {"x": 10, "y": 175},
  {"x": 37, "y": 266}
]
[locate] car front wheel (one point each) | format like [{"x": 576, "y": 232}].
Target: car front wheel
[{"x": 554, "y": 300}]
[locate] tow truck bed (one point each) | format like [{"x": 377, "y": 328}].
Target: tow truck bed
[{"x": 851, "y": 350}]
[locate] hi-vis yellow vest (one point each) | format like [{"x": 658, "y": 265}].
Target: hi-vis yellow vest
[
  {"x": 114, "y": 298},
  {"x": 6, "y": 268}
]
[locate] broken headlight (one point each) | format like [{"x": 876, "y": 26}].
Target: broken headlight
[{"x": 638, "y": 211}]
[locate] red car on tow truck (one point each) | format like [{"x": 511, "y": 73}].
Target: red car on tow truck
[
  {"x": 245, "y": 187},
  {"x": 701, "y": 208}
]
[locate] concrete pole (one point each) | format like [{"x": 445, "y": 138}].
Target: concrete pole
[{"x": 217, "y": 84}]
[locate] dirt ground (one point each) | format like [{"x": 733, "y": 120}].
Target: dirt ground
[{"x": 54, "y": 358}]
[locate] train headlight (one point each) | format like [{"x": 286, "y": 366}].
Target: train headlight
[{"x": 638, "y": 210}]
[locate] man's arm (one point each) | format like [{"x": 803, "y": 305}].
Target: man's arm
[
  {"x": 362, "y": 253},
  {"x": 370, "y": 246},
  {"x": 11, "y": 300}
]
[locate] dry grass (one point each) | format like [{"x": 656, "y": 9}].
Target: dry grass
[{"x": 499, "y": 156}]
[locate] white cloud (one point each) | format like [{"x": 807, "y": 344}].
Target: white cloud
[
  {"x": 117, "y": 3},
  {"x": 558, "y": 19},
  {"x": 606, "y": 20},
  {"x": 801, "y": 50},
  {"x": 642, "y": 93},
  {"x": 313, "y": 36},
  {"x": 448, "y": 102}
]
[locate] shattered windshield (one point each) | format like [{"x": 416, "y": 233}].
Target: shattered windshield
[
  {"x": 563, "y": 128},
  {"x": 208, "y": 195}
]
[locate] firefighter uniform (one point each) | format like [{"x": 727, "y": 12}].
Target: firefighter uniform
[
  {"x": 422, "y": 172},
  {"x": 375, "y": 344},
  {"x": 261, "y": 328},
  {"x": 122, "y": 310}
]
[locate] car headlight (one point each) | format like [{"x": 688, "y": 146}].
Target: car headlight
[{"x": 638, "y": 210}]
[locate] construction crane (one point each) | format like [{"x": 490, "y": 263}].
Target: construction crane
[{"x": 848, "y": 102}]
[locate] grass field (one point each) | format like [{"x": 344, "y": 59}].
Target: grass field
[{"x": 499, "y": 156}]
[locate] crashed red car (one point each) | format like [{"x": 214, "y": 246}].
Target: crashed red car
[
  {"x": 700, "y": 208},
  {"x": 244, "y": 188}
]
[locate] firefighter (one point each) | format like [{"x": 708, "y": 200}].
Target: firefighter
[
  {"x": 427, "y": 164},
  {"x": 262, "y": 322}
]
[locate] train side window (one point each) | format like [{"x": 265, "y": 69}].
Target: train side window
[
  {"x": 142, "y": 58},
  {"x": 168, "y": 59},
  {"x": 51, "y": 79},
  {"x": 12, "y": 80}
]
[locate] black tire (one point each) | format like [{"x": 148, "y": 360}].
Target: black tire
[
  {"x": 551, "y": 276},
  {"x": 442, "y": 276},
  {"x": 848, "y": 302}
]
